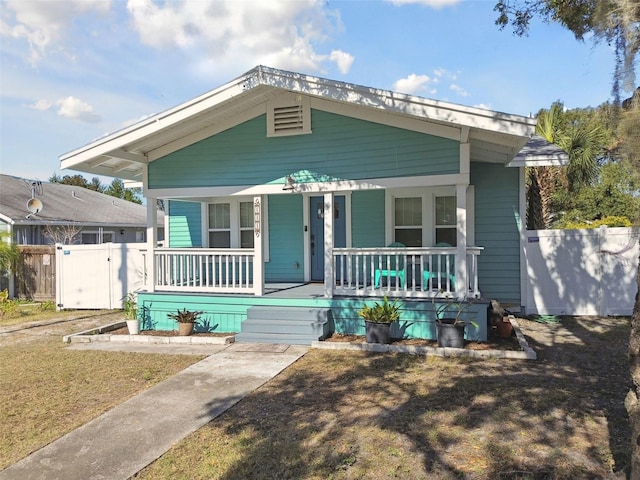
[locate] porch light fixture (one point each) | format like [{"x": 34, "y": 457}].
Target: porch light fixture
[{"x": 289, "y": 183}]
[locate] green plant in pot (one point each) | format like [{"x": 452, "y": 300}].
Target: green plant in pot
[
  {"x": 451, "y": 320},
  {"x": 378, "y": 319},
  {"x": 130, "y": 308},
  {"x": 186, "y": 320}
]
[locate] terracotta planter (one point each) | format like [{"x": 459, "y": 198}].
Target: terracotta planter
[
  {"x": 185, "y": 329},
  {"x": 505, "y": 329}
]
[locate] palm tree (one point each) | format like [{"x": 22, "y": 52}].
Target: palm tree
[{"x": 583, "y": 143}]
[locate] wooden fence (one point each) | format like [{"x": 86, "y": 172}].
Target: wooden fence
[{"x": 36, "y": 273}]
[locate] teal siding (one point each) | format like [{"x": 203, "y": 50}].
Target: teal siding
[
  {"x": 367, "y": 219},
  {"x": 226, "y": 313},
  {"x": 497, "y": 207},
  {"x": 185, "y": 224},
  {"x": 339, "y": 147},
  {"x": 286, "y": 239}
]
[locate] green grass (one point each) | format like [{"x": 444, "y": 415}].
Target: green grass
[{"x": 47, "y": 390}]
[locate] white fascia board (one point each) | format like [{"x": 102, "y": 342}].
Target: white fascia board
[
  {"x": 6, "y": 219},
  {"x": 387, "y": 118},
  {"x": 558, "y": 160},
  {"x": 391, "y": 101},
  {"x": 206, "y": 132},
  {"x": 155, "y": 123},
  {"x": 203, "y": 193}
]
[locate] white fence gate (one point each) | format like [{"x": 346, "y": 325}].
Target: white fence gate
[
  {"x": 97, "y": 276},
  {"x": 581, "y": 272}
]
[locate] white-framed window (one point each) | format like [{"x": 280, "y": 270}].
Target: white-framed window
[
  {"x": 408, "y": 221},
  {"x": 445, "y": 220},
  {"x": 96, "y": 237},
  {"x": 230, "y": 224}
]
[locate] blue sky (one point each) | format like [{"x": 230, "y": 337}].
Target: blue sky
[{"x": 74, "y": 70}]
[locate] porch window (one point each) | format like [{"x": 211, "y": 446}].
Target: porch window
[
  {"x": 408, "y": 221},
  {"x": 231, "y": 225},
  {"x": 246, "y": 225},
  {"x": 220, "y": 225},
  {"x": 445, "y": 220}
]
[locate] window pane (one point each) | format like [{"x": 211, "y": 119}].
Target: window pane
[
  {"x": 219, "y": 239},
  {"x": 89, "y": 238},
  {"x": 107, "y": 237},
  {"x": 246, "y": 215},
  {"x": 411, "y": 237},
  {"x": 447, "y": 235},
  {"x": 219, "y": 216},
  {"x": 408, "y": 212},
  {"x": 246, "y": 239},
  {"x": 446, "y": 210}
]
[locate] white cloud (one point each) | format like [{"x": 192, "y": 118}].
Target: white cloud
[
  {"x": 77, "y": 109},
  {"x": 427, "y": 3},
  {"x": 70, "y": 107},
  {"x": 43, "y": 23},
  {"x": 459, "y": 90},
  {"x": 223, "y": 33},
  {"x": 412, "y": 84}
]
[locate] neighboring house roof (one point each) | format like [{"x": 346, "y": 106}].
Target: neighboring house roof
[
  {"x": 493, "y": 136},
  {"x": 66, "y": 204},
  {"x": 538, "y": 152}
]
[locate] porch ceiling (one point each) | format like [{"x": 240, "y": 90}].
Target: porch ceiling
[{"x": 126, "y": 153}]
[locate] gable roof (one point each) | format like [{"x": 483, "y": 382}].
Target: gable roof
[
  {"x": 538, "y": 152},
  {"x": 493, "y": 136},
  {"x": 67, "y": 204}
]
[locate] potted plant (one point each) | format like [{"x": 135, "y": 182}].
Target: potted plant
[
  {"x": 186, "y": 320},
  {"x": 130, "y": 307},
  {"x": 378, "y": 319},
  {"x": 451, "y": 321}
]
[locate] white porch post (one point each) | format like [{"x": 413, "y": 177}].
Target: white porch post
[
  {"x": 329, "y": 281},
  {"x": 258, "y": 247},
  {"x": 152, "y": 242},
  {"x": 462, "y": 280}
]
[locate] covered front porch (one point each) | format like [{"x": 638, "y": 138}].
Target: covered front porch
[{"x": 230, "y": 312}]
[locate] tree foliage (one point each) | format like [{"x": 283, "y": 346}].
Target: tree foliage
[
  {"x": 615, "y": 21},
  {"x": 115, "y": 189}
]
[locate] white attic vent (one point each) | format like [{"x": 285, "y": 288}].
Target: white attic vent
[{"x": 288, "y": 115}]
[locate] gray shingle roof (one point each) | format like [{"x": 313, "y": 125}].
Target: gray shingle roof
[
  {"x": 539, "y": 152},
  {"x": 66, "y": 204}
]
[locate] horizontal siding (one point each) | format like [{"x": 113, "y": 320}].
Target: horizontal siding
[
  {"x": 367, "y": 219},
  {"x": 338, "y": 147},
  {"x": 497, "y": 206},
  {"x": 286, "y": 253},
  {"x": 185, "y": 224}
]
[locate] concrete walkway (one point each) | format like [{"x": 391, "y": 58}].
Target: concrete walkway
[{"x": 125, "y": 439}]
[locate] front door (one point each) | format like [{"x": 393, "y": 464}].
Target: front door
[{"x": 316, "y": 216}]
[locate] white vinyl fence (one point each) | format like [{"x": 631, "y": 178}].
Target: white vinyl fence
[
  {"x": 581, "y": 272},
  {"x": 97, "y": 276}
]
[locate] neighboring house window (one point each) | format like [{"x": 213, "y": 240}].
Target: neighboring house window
[
  {"x": 93, "y": 238},
  {"x": 231, "y": 225},
  {"x": 445, "y": 220},
  {"x": 408, "y": 221}
]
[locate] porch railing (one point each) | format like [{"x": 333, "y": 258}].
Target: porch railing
[
  {"x": 204, "y": 270},
  {"x": 402, "y": 272}
]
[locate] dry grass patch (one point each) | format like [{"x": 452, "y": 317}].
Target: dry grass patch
[
  {"x": 344, "y": 415},
  {"x": 47, "y": 390}
]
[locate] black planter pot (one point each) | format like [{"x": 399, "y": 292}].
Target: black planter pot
[
  {"x": 450, "y": 334},
  {"x": 377, "y": 332}
]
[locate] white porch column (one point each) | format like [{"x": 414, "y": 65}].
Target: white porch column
[
  {"x": 258, "y": 247},
  {"x": 462, "y": 280},
  {"x": 152, "y": 242},
  {"x": 329, "y": 280}
]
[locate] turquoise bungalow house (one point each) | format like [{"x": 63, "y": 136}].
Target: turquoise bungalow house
[{"x": 291, "y": 200}]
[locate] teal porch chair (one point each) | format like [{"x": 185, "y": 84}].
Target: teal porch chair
[
  {"x": 394, "y": 268},
  {"x": 436, "y": 276}
]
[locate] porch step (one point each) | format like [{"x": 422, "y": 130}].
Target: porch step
[{"x": 288, "y": 325}]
